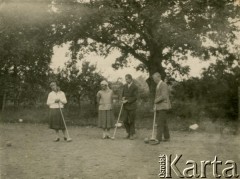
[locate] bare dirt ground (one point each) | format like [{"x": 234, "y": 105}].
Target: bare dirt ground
[{"x": 34, "y": 155}]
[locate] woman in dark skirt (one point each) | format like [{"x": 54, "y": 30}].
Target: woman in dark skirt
[
  {"x": 105, "y": 113},
  {"x": 56, "y": 99}
]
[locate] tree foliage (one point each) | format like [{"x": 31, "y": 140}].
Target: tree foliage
[
  {"x": 216, "y": 91},
  {"x": 160, "y": 34},
  {"x": 157, "y": 33},
  {"x": 81, "y": 83},
  {"x": 25, "y": 49}
]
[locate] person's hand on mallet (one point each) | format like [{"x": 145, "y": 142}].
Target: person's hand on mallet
[
  {"x": 154, "y": 108},
  {"x": 124, "y": 100},
  {"x": 57, "y": 101}
]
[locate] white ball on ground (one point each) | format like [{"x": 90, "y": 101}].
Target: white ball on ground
[
  {"x": 146, "y": 140},
  {"x": 20, "y": 120},
  {"x": 9, "y": 144}
]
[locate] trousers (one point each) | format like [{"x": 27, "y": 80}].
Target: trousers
[
  {"x": 162, "y": 125},
  {"x": 129, "y": 121}
]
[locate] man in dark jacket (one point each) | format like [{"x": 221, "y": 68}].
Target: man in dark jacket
[{"x": 129, "y": 97}]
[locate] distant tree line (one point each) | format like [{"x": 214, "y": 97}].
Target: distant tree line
[
  {"x": 214, "y": 93},
  {"x": 159, "y": 34}
]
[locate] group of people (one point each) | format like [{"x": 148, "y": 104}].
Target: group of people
[{"x": 57, "y": 99}]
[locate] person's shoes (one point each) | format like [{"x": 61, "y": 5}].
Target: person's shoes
[
  {"x": 104, "y": 136},
  {"x": 128, "y": 136},
  {"x": 108, "y": 135},
  {"x": 156, "y": 142},
  {"x": 65, "y": 138},
  {"x": 57, "y": 139},
  {"x": 166, "y": 140}
]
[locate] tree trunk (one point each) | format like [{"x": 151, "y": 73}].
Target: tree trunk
[
  {"x": 16, "y": 81},
  {"x": 4, "y": 101},
  {"x": 239, "y": 104},
  {"x": 238, "y": 121},
  {"x": 155, "y": 65},
  {"x": 79, "y": 104}
]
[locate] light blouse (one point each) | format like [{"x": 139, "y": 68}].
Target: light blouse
[
  {"x": 53, "y": 96},
  {"x": 105, "y": 99}
]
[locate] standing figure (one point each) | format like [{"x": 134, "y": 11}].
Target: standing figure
[
  {"x": 129, "y": 99},
  {"x": 105, "y": 113},
  {"x": 56, "y": 99},
  {"x": 161, "y": 106}
]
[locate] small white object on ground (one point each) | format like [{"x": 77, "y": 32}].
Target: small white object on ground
[
  {"x": 20, "y": 120},
  {"x": 146, "y": 140},
  {"x": 118, "y": 124},
  {"x": 9, "y": 144},
  {"x": 193, "y": 127}
]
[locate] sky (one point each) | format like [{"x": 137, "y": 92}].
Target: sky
[{"x": 104, "y": 65}]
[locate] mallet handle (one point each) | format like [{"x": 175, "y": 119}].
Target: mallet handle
[
  {"x": 154, "y": 121},
  {"x": 63, "y": 120},
  {"x": 119, "y": 115}
]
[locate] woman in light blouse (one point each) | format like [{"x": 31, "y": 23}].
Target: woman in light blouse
[
  {"x": 56, "y": 99},
  {"x": 105, "y": 113}
]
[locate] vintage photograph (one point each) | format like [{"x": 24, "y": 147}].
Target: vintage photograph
[{"x": 119, "y": 89}]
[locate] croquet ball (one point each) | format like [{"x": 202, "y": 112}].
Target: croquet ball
[
  {"x": 9, "y": 144},
  {"x": 146, "y": 140},
  {"x": 20, "y": 120}
]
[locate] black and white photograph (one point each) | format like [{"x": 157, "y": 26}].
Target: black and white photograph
[{"x": 119, "y": 89}]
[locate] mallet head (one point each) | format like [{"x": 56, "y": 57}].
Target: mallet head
[{"x": 69, "y": 139}]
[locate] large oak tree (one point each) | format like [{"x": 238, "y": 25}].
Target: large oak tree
[{"x": 158, "y": 33}]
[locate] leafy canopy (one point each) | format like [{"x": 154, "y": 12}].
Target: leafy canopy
[{"x": 160, "y": 34}]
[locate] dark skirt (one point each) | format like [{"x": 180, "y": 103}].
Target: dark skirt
[
  {"x": 55, "y": 119},
  {"x": 105, "y": 119}
]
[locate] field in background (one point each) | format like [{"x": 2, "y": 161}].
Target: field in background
[{"x": 180, "y": 117}]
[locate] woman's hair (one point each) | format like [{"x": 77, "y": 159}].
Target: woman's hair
[
  {"x": 104, "y": 82},
  {"x": 54, "y": 83}
]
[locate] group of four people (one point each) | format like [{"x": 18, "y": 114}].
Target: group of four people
[{"x": 57, "y": 99}]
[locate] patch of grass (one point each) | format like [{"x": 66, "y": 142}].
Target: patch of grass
[
  {"x": 29, "y": 115},
  {"x": 88, "y": 116}
]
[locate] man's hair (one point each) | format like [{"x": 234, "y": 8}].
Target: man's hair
[
  {"x": 128, "y": 76},
  {"x": 157, "y": 74}
]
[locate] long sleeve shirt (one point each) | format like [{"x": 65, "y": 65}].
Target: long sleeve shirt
[{"x": 53, "y": 96}]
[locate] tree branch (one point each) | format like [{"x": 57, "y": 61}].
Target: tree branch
[
  {"x": 123, "y": 47},
  {"x": 130, "y": 50},
  {"x": 235, "y": 21}
]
